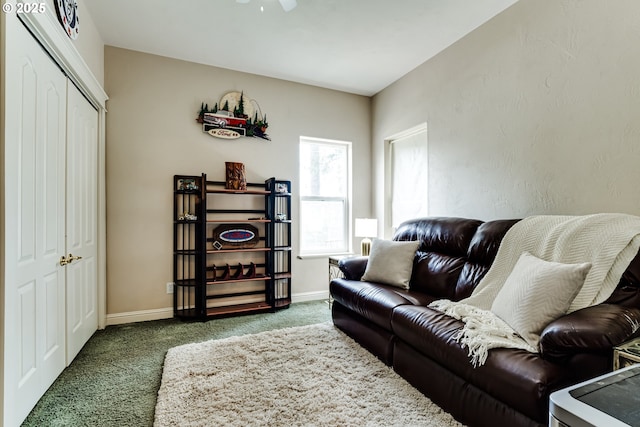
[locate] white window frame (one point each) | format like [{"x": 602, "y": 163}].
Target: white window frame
[{"x": 346, "y": 249}]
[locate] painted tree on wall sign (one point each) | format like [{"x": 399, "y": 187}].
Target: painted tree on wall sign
[
  {"x": 239, "y": 110},
  {"x": 204, "y": 108}
]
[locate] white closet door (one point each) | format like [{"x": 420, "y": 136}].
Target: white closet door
[
  {"x": 34, "y": 225},
  {"x": 82, "y": 217}
]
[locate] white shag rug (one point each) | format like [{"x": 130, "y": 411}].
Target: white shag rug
[{"x": 304, "y": 376}]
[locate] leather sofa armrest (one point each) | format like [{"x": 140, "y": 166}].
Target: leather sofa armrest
[
  {"x": 592, "y": 329},
  {"x": 353, "y": 267}
]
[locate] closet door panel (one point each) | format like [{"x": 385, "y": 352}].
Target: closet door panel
[
  {"x": 34, "y": 224},
  {"x": 82, "y": 203},
  {"x": 26, "y": 147},
  {"x": 26, "y": 296}
]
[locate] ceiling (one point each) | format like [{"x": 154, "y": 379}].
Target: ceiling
[{"x": 356, "y": 46}]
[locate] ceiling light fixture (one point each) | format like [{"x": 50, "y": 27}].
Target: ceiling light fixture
[{"x": 287, "y": 5}]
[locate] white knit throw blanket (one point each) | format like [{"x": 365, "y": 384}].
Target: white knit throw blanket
[{"x": 608, "y": 241}]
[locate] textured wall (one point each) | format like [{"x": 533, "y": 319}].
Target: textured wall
[
  {"x": 534, "y": 112},
  {"x": 152, "y": 135}
]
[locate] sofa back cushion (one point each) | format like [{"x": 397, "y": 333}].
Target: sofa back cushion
[
  {"x": 480, "y": 255},
  {"x": 442, "y": 253},
  {"x": 627, "y": 293},
  {"x": 454, "y": 253}
]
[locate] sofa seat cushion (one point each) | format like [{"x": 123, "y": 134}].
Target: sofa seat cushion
[
  {"x": 521, "y": 379},
  {"x": 373, "y": 301}
]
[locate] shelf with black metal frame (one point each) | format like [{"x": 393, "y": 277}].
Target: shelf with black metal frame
[
  {"x": 258, "y": 278},
  {"x": 188, "y": 214},
  {"x": 278, "y": 206}
]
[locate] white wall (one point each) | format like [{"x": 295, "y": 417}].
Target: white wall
[
  {"x": 152, "y": 135},
  {"x": 89, "y": 42},
  {"x": 535, "y": 112}
]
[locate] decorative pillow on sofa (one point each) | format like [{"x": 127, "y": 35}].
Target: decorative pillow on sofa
[
  {"x": 536, "y": 293},
  {"x": 391, "y": 262}
]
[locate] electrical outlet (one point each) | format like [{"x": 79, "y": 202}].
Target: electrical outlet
[{"x": 170, "y": 287}]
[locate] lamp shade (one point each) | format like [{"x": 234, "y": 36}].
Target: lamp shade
[{"x": 366, "y": 227}]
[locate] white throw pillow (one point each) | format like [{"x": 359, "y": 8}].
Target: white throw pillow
[
  {"x": 536, "y": 293},
  {"x": 391, "y": 262}
]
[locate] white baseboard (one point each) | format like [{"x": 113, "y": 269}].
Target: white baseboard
[
  {"x": 310, "y": 296},
  {"x": 139, "y": 316},
  {"x": 167, "y": 313}
]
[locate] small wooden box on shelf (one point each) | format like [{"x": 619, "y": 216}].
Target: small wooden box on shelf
[
  {"x": 229, "y": 260},
  {"x": 626, "y": 354}
]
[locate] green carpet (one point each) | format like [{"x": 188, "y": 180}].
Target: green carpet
[{"x": 115, "y": 378}]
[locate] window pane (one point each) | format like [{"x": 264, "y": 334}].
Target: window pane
[
  {"x": 323, "y": 226},
  {"x": 323, "y": 169}
]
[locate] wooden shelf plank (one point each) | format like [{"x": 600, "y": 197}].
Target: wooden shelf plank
[
  {"x": 234, "y": 221},
  {"x": 253, "y": 279},
  {"x": 222, "y": 251},
  {"x": 252, "y": 192},
  {"x": 238, "y": 308},
  {"x": 234, "y": 294}
]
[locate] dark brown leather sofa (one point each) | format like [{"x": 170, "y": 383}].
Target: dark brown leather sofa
[{"x": 512, "y": 388}]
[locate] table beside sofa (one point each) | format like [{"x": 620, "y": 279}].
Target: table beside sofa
[
  {"x": 513, "y": 386},
  {"x": 609, "y": 400}
]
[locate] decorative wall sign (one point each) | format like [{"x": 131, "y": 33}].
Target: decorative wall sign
[
  {"x": 224, "y": 133},
  {"x": 235, "y": 236},
  {"x": 234, "y": 116},
  {"x": 67, "y": 11}
]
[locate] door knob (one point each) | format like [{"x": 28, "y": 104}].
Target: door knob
[{"x": 64, "y": 260}]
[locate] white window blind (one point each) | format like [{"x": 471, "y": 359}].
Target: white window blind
[{"x": 409, "y": 177}]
